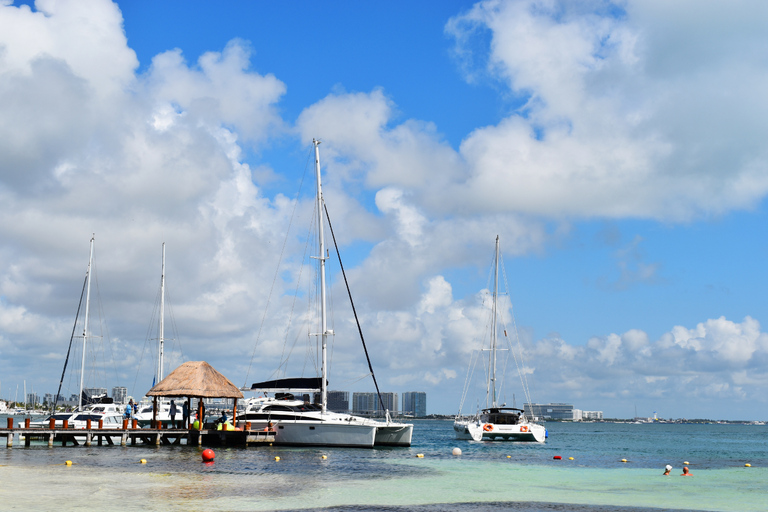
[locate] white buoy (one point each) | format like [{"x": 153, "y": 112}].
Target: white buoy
[{"x": 456, "y": 451}]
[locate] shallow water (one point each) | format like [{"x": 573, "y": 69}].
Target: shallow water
[{"x": 487, "y": 476}]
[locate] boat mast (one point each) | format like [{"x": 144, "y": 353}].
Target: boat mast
[
  {"x": 161, "y": 334},
  {"x": 321, "y": 257},
  {"x": 493, "y": 325},
  {"x": 85, "y": 325}
]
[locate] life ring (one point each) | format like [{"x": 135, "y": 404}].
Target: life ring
[
  {"x": 524, "y": 429},
  {"x": 488, "y": 427}
]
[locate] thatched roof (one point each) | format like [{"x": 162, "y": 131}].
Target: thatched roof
[{"x": 196, "y": 379}]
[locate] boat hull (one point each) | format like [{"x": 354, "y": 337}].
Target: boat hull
[
  {"x": 476, "y": 431},
  {"x": 320, "y": 433},
  {"x": 398, "y": 434}
]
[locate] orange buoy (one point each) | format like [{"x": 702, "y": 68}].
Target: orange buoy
[{"x": 208, "y": 455}]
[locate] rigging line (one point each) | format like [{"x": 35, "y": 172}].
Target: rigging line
[
  {"x": 354, "y": 310},
  {"x": 523, "y": 376},
  {"x": 283, "y": 362},
  {"x": 277, "y": 271},
  {"x": 71, "y": 337},
  {"x": 105, "y": 329},
  {"x": 147, "y": 339}
]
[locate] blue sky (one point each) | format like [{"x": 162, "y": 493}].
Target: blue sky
[{"x": 616, "y": 147}]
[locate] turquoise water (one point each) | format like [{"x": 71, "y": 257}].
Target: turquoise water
[{"x": 487, "y": 476}]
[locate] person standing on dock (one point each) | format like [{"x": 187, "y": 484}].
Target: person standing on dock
[
  {"x": 129, "y": 410},
  {"x": 185, "y": 414},
  {"x": 172, "y": 413}
]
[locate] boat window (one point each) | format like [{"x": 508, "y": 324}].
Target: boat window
[{"x": 278, "y": 408}]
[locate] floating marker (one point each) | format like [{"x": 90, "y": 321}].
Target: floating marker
[
  {"x": 570, "y": 458},
  {"x": 420, "y": 455},
  {"x": 557, "y": 457},
  {"x": 747, "y": 465},
  {"x": 686, "y": 463},
  {"x": 324, "y": 457},
  {"x": 68, "y": 463},
  {"x": 277, "y": 458},
  {"x": 208, "y": 455},
  {"x": 623, "y": 460},
  {"x": 456, "y": 451},
  {"x": 509, "y": 456},
  {"x": 143, "y": 461}
]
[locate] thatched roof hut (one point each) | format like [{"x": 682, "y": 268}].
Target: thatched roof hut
[{"x": 196, "y": 379}]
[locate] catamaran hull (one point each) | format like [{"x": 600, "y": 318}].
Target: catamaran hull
[
  {"x": 394, "y": 435},
  {"x": 311, "y": 433},
  {"x": 530, "y": 432}
]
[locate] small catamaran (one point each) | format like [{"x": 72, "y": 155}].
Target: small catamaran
[{"x": 497, "y": 422}]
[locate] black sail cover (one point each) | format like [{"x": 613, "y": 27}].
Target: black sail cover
[{"x": 295, "y": 384}]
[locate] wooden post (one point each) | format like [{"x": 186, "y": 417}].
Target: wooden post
[
  {"x": 234, "y": 414},
  {"x": 125, "y": 424},
  {"x": 124, "y": 437},
  {"x": 101, "y": 424},
  {"x": 88, "y": 437},
  {"x": 88, "y": 424},
  {"x": 200, "y": 414},
  {"x": 51, "y": 423},
  {"x": 66, "y": 424},
  {"x": 26, "y": 422},
  {"x": 135, "y": 423},
  {"x": 10, "y": 423},
  {"x": 154, "y": 412},
  {"x": 50, "y": 440}
]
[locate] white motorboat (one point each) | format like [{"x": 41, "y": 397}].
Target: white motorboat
[
  {"x": 497, "y": 422},
  {"x": 297, "y": 422}
]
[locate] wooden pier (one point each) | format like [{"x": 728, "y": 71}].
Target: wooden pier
[{"x": 158, "y": 436}]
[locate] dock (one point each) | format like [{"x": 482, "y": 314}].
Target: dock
[{"x": 133, "y": 435}]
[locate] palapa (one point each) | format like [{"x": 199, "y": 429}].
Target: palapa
[{"x": 195, "y": 379}]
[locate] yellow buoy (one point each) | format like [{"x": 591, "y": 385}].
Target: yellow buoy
[
  {"x": 325, "y": 457},
  {"x": 68, "y": 463},
  {"x": 420, "y": 455},
  {"x": 747, "y": 465},
  {"x": 509, "y": 456},
  {"x": 686, "y": 463},
  {"x": 570, "y": 458},
  {"x": 143, "y": 461},
  {"x": 623, "y": 460},
  {"x": 277, "y": 458}
]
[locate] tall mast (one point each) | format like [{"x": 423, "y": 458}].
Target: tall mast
[
  {"x": 493, "y": 324},
  {"x": 161, "y": 334},
  {"x": 321, "y": 257},
  {"x": 85, "y": 325}
]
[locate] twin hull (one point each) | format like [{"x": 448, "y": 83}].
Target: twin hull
[
  {"x": 529, "y": 432},
  {"x": 322, "y": 433}
]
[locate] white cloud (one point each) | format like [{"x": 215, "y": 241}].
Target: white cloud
[{"x": 623, "y": 117}]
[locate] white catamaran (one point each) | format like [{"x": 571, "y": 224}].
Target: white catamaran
[
  {"x": 296, "y": 422},
  {"x": 497, "y": 422}
]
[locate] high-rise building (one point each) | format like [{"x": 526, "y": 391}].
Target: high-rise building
[
  {"x": 367, "y": 404},
  {"x": 119, "y": 394},
  {"x": 338, "y": 401},
  {"x": 33, "y": 398},
  {"x": 415, "y": 404}
]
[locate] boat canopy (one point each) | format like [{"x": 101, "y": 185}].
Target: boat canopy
[{"x": 292, "y": 384}]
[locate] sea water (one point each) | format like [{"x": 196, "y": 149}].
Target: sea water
[{"x": 486, "y": 476}]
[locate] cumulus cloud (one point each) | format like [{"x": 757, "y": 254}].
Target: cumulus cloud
[{"x": 625, "y": 114}]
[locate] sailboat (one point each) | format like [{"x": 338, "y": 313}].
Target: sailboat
[
  {"x": 299, "y": 422},
  {"x": 145, "y": 414},
  {"x": 86, "y": 401},
  {"x": 497, "y": 422}
]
